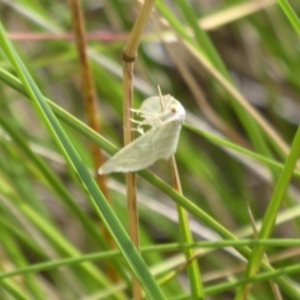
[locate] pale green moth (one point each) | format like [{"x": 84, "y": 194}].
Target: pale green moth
[{"x": 165, "y": 115}]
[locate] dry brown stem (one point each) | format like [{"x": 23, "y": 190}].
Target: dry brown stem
[
  {"x": 91, "y": 110},
  {"x": 128, "y": 56}
]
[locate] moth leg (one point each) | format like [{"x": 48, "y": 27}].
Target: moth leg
[
  {"x": 139, "y": 111},
  {"x": 139, "y": 129},
  {"x": 137, "y": 121},
  {"x": 151, "y": 118},
  {"x": 144, "y": 112}
]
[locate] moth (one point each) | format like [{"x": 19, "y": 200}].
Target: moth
[{"x": 165, "y": 115}]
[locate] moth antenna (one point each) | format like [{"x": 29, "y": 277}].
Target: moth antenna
[{"x": 160, "y": 98}]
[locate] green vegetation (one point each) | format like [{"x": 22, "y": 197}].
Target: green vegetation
[{"x": 234, "y": 66}]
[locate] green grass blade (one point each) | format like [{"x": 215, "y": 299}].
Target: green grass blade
[
  {"x": 291, "y": 15},
  {"x": 272, "y": 210}
]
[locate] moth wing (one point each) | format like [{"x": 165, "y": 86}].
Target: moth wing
[{"x": 157, "y": 143}]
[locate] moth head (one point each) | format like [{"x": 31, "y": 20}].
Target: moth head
[{"x": 178, "y": 111}]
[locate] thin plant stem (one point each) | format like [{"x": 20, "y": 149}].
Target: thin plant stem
[
  {"x": 185, "y": 232},
  {"x": 274, "y": 286},
  {"x": 128, "y": 56},
  {"x": 267, "y": 227},
  {"x": 91, "y": 110},
  {"x": 186, "y": 237}
]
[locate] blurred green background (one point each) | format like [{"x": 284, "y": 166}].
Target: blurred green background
[{"x": 255, "y": 49}]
